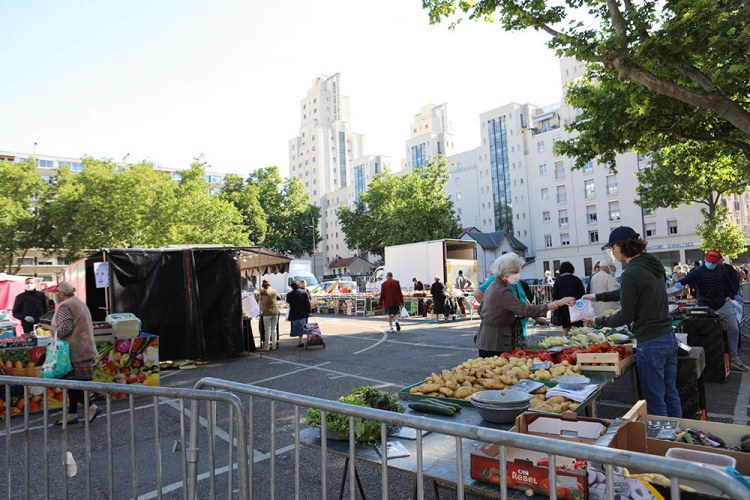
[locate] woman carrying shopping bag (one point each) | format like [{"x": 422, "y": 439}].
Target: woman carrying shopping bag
[{"x": 72, "y": 322}]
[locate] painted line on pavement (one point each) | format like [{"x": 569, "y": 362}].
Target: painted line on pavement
[
  {"x": 336, "y": 372},
  {"x": 743, "y": 399},
  {"x": 205, "y": 475},
  {"x": 416, "y": 344}
]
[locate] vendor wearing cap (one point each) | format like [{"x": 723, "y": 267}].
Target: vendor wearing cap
[
  {"x": 643, "y": 306},
  {"x": 716, "y": 284}
]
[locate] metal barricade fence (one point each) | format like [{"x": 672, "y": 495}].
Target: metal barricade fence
[
  {"x": 54, "y": 462},
  {"x": 674, "y": 469}
]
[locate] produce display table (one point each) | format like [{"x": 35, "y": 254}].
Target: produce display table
[
  {"x": 441, "y": 450},
  {"x": 346, "y": 304},
  {"x": 123, "y": 361}
]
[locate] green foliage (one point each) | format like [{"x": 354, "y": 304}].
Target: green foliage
[
  {"x": 366, "y": 431},
  {"x": 401, "y": 209},
  {"x": 201, "y": 217},
  {"x": 716, "y": 232},
  {"x": 290, "y": 217},
  {"x": 692, "y": 172},
  {"x": 136, "y": 206},
  {"x": 21, "y": 184},
  {"x": 246, "y": 198},
  {"x": 664, "y": 72}
]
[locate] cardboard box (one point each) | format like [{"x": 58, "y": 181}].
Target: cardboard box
[
  {"x": 523, "y": 473},
  {"x": 730, "y": 433}
]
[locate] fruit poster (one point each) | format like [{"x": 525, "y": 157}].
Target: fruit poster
[{"x": 123, "y": 361}]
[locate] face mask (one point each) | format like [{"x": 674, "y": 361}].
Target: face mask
[
  {"x": 30, "y": 287},
  {"x": 514, "y": 278},
  {"x": 711, "y": 265}
]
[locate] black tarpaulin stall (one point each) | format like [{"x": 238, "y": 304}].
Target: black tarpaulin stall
[{"x": 187, "y": 295}]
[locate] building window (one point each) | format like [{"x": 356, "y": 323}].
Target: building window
[
  {"x": 591, "y": 214},
  {"x": 559, "y": 170},
  {"x": 458, "y": 181},
  {"x": 594, "y": 236},
  {"x": 546, "y": 216},
  {"x": 611, "y": 184},
  {"x": 45, "y": 163},
  {"x": 418, "y": 155},
  {"x": 589, "y": 189},
  {"x": 545, "y": 193},
  {"x": 562, "y": 218},
  {"x": 564, "y": 239},
  {"x": 540, "y": 147},
  {"x": 547, "y": 241},
  {"x": 458, "y": 196},
  {"x": 672, "y": 226},
  {"x": 562, "y": 194},
  {"x": 650, "y": 229},
  {"x": 614, "y": 210},
  {"x": 588, "y": 167},
  {"x": 543, "y": 169}
]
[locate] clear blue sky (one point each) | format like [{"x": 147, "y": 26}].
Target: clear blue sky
[{"x": 167, "y": 80}]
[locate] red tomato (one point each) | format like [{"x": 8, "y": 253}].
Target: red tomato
[{"x": 37, "y": 354}]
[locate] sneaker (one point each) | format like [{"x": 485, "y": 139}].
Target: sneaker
[
  {"x": 390, "y": 330},
  {"x": 738, "y": 365},
  {"x": 398, "y": 326},
  {"x": 264, "y": 349}
]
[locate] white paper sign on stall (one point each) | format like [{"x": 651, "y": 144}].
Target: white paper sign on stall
[{"x": 101, "y": 274}]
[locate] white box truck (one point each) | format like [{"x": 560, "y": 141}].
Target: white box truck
[
  {"x": 298, "y": 270},
  {"x": 425, "y": 260}
]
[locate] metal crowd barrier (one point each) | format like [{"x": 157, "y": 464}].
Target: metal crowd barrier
[
  {"x": 59, "y": 478},
  {"x": 672, "y": 468}
]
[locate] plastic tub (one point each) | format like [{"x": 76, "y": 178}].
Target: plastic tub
[{"x": 713, "y": 460}]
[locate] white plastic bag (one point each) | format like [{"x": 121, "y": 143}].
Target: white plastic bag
[
  {"x": 582, "y": 309},
  {"x": 404, "y": 313}
]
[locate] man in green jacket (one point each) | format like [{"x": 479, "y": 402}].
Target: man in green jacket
[{"x": 643, "y": 306}]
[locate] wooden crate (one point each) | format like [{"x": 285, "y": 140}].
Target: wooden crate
[{"x": 604, "y": 362}]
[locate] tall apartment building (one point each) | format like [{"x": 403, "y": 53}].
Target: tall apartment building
[
  {"x": 523, "y": 187},
  {"x": 431, "y": 135},
  {"x": 329, "y": 159},
  {"x": 35, "y": 263}
]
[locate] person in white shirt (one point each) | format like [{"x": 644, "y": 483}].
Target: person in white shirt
[{"x": 604, "y": 282}]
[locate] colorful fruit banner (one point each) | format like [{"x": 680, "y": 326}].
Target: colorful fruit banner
[{"x": 124, "y": 361}]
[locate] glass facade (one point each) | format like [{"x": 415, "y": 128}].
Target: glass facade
[
  {"x": 500, "y": 168},
  {"x": 359, "y": 181},
  {"x": 418, "y": 155},
  {"x": 342, "y": 159}
]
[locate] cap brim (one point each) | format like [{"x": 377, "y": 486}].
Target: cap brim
[{"x": 608, "y": 245}]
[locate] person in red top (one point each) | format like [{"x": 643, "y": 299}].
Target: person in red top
[{"x": 391, "y": 299}]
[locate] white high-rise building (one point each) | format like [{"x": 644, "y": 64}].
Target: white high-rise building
[
  {"x": 524, "y": 188},
  {"x": 329, "y": 159},
  {"x": 431, "y": 135}
]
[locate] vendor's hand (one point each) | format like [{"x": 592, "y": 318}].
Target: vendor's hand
[
  {"x": 589, "y": 296},
  {"x": 567, "y": 301},
  {"x": 29, "y": 319}
]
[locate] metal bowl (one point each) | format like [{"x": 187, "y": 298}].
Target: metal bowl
[
  {"x": 572, "y": 382},
  {"x": 501, "y": 416},
  {"x": 499, "y": 398}
]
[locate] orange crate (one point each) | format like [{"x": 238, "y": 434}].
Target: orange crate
[{"x": 604, "y": 362}]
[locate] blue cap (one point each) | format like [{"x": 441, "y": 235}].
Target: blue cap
[{"x": 620, "y": 234}]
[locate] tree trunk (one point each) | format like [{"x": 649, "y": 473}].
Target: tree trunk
[{"x": 715, "y": 102}]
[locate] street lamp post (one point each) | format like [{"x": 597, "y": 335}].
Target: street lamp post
[{"x": 312, "y": 226}]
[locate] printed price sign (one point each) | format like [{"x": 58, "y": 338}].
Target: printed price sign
[{"x": 101, "y": 274}]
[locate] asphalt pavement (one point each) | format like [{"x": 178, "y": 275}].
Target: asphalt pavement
[{"x": 359, "y": 351}]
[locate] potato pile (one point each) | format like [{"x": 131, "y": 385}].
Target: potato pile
[
  {"x": 555, "y": 404},
  {"x": 480, "y": 374}
]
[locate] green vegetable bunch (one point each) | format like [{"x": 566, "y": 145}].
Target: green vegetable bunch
[{"x": 365, "y": 431}]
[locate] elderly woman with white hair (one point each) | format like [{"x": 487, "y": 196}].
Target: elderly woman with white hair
[
  {"x": 72, "y": 322},
  {"x": 502, "y": 310}
]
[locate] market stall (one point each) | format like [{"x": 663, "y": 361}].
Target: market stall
[
  {"x": 189, "y": 296},
  {"x": 10, "y": 287},
  {"x": 118, "y": 361}
]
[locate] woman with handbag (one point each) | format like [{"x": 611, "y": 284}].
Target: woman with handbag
[
  {"x": 501, "y": 329},
  {"x": 299, "y": 310},
  {"x": 72, "y": 322}
]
